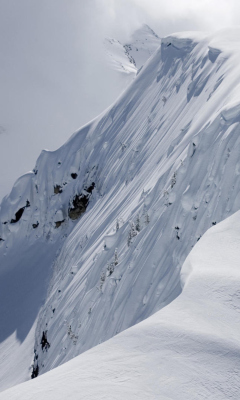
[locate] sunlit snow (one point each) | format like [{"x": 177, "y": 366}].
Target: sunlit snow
[{"x": 105, "y": 224}]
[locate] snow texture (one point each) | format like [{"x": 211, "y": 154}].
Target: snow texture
[
  {"x": 129, "y": 58},
  {"x": 188, "y": 350},
  {"x": 145, "y": 181},
  {"x": 48, "y": 87}
]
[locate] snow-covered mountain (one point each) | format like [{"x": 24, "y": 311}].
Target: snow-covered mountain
[
  {"x": 188, "y": 350},
  {"x": 128, "y": 58},
  {"x": 49, "y": 87},
  {"x": 93, "y": 240}
]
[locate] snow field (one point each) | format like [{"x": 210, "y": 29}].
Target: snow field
[{"x": 187, "y": 350}]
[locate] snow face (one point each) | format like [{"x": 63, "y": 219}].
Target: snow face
[
  {"x": 187, "y": 350},
  {"x": 121, "y": 204},
  {"x": 49, "y": 88},
  {"x": 129, "y": 58},
  {"x": 142, "y": 46}
]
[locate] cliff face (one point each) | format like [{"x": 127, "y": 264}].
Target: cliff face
[{"x": 95, "y": 237}]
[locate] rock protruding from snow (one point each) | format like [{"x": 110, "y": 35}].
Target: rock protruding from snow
[
  {"x": 128, "y": 58},
  {"x": 188, "y": 350},
  {"x": 164, "y": 160}
]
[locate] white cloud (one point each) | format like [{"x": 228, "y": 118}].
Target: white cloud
[{"x": 179, "y": 15}]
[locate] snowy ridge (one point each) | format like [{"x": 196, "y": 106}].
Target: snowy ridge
[
  {"x": 144, "y": 43},
  {"x": 129, "y": 58},
  {"x": 146, "y": 179},
  {"x": 187, "y": 350}
]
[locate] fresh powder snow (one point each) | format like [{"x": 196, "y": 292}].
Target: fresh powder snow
[
  {"x": 188, "y": 350},
  {"x": 54, "y": 80},
  {"x": 129, "y": 58},
  {"x": 93, "y": 240}
]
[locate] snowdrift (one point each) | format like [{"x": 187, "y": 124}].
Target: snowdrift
[{"x": 188, "y": 350}]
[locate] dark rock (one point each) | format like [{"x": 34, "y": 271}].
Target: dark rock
[
  {"x": 57, "y": 189},
  {"x": 44, "y": 343},
  {"x": 79, "y": 205},
  {"x": 18, "y": 215},
  {"x": 74, "y": 175},
  {"x": 35, "y": 372},
  {"x": 59, "y": 223},
  {"x": 90, "y": 188},
  {"x": 35, "y": 225}
]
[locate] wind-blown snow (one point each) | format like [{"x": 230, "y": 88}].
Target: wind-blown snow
[
  {"x": 129, "y": 58},
  {"x": 188, "y": 350},
  {"x": 54, "y": 78},
  {"x": 164, "y": 161}
]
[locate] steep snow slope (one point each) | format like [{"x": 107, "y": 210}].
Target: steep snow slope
[
  {"x": 129, "y": 58},
  {"x": 49, "y": 87},
  {"x": 147, "y": 179},
  {"x": 188, "y": 350},
  {"x": 143, "y": 44}
]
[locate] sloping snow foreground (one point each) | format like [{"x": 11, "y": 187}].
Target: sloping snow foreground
[
  {"x": 93, "y": 240},
  {"x": 188, "y": 350}
]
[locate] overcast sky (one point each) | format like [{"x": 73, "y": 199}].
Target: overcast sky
[{"x": 53, "y": 74}]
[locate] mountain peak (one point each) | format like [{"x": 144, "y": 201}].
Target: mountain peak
[
  {"x": 128, "y": 58},
  {"x": 96, "y": 236}
]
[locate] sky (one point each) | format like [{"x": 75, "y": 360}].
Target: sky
[{"x": 54, "y": 75}]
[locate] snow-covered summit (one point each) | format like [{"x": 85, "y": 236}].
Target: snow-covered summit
[
  {"x": 143, "y": 44},
  {"x": 97, "y": 234},
  {"x": 51, "y": 88},
  {"x": 128, "y": 58}
]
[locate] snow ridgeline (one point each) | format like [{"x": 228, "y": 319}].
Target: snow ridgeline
[
  {"x": 188, "y": 350},
  {"x": 129, "y": 58},
  {"x": 156, "y": 170}
]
